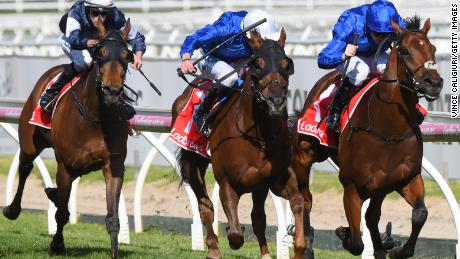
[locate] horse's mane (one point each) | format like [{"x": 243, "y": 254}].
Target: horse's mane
[{"x": 413, "y": 23}]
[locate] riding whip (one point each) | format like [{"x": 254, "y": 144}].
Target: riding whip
[{"x": 151, "y": 84}]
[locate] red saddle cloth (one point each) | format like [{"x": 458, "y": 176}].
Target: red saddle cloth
[
  {"x": 184, "y": 131},
  {"x": 313, "y": 123},
  {"x": 42, "y": 118}
]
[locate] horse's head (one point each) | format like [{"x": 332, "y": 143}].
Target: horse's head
[
  {"x": 417, "y": 56},
  {"x": 112, "y": 57},
  {"x": 270, "y": 69}
]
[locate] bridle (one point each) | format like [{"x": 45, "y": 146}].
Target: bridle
[
  {"x": 429, "y": 64},
  {"x": 272, "y": 50}
]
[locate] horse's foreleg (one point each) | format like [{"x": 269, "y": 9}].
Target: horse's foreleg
[
  {"x": 414, "y": 194},
  {"x": 229, "y": 199},
  {"x": 194, "y": 169},
  {"x": 25, "y": 167},
  {"x": 113, "y": 181},
  {"x": 290, "y": 191},
  {"x": 64, "y": 186},
  {"x": 259, "y": 220},
  {"x": 373, "y": 213},
  {"x": 351, "y": 236},
  {"x": 302, "y": 161}
]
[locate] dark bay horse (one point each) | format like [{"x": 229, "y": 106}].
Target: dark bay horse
[
  {"x": 250, "y": 149},
  {"x": 381, "y": 148},
  {"x": 89, "y": 132}
]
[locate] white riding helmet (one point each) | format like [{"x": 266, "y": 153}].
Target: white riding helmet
[
  {"x": 104, "y": 4},
  {"x": 268, "y": 29}
]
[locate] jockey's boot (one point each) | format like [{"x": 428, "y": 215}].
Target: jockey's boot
[
  {"x": 335, "y": 109},
  {"x": 203, "y": 111},
  {"x": 46, "y": 100}
]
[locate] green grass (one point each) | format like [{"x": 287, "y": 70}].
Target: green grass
[
  {"x": 322, "y": 181},
  {"x": 326, "y": 182},
  {"x": 27, "y": 238}
]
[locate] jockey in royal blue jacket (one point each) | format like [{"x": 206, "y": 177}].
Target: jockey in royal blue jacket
[
  {"x": 81, "y": 34},
  {"x": 372, "y": 24},
  {"x": 233, "y": 54}
]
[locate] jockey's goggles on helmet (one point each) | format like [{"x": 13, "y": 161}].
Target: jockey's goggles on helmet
[{"x": 98, "y": 11}]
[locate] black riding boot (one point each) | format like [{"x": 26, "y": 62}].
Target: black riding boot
[
  {"x": 340, "y": 100},
  {"x": 203, "y": 110},
  {"x": 68, "y": 73}
]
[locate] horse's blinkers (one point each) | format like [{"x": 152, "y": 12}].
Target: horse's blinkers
[{"x": 272, "y": 55}]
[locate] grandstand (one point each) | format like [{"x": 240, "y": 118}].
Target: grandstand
[{"x": 30, "y": 27}]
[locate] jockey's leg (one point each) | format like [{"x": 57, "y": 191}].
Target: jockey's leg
[
  {"x": 356, "y": 74},
  {"x": 215, "y": 69},
  {"x": 81, "y": 60},
  {"x": 68, "y": 73}
]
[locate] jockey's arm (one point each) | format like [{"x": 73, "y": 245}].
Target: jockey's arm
[
  {"x": 211, "y": 34},
  {"x": 340, "y": 45},
  {"x": 73, "y": 31}
]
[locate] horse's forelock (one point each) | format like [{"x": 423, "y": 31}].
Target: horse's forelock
[{"x": 413, "y": 23}]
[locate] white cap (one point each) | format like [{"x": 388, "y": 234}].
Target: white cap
[
  {"x": 268, "y": 29},
  {"x": 105, "y": 4}
]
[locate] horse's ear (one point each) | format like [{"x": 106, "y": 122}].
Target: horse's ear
[
  {"x": 101, "y": 28},
  {"x": 282, "y": 38},
  {"x": 396, "y": 27},
  {"x": 126, "y": 30},
  {"x": 256, "y": 40},
  {"x": 426, "y": 25}
]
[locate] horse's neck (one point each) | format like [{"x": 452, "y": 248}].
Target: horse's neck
[{"x": 396, "y": 101}]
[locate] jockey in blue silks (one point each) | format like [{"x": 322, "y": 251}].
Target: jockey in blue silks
[
  {"x": 232, "y": 55},
  {"x": 81, "y": 34},
  {"x": 372, "y": 24}
]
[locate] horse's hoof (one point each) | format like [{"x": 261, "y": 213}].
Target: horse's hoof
[
  {"x": 56, "y": 249},
  {"x": 214, "y": 254},
  {"x": 266, "y": 256},
  {"x": 309, "y": 254},
  {"x": 380, "y": 254},
  {"x": 397, "y": 253},
  {"x": 11, "y": 213},
  {"x": 115, "y": 256},
  {"x": 235, "y": 241}
]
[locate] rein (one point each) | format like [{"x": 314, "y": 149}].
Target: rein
[
  {"x": 404, "y": 84},
  {"x": 98, "y": 61}
]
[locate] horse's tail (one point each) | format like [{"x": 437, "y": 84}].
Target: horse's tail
[{"x": 190, "y": 163}]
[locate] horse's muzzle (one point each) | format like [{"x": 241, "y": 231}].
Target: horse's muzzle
[
  {"x": 432, "y": 87},
  {"x": 276, "y": 105},
  {"x": 112, "y": 94}
]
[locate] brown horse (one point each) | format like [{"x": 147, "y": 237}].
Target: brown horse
[
  {"x": 250, "y": 149},
  {"x": 381, "y": 149},
  {"x": 89, "y": 133}
]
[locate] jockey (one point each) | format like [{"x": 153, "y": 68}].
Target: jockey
[
  {"x": 81, "y": 34},
  {"x": 232, "y": 55},
  {"x": 372, "y": 24}
]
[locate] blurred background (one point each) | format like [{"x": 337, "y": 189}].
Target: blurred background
[{"x": 29, "y": 45}]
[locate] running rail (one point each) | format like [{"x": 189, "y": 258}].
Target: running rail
[{"x": 438, "y": 128}]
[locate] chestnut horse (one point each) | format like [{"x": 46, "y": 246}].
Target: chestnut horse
[
  {"x": 250, "y": 149},
  {"x": 380, "y": 150},
  {"x": 89, "y": 132}
]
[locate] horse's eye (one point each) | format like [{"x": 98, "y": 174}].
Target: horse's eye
[{"x": 434, "y": 47}]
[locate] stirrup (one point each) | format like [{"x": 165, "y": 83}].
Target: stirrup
[{"x": 333, "y": 121}]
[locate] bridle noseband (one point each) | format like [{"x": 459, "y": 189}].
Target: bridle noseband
[{"x": 429, "y": 64}]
